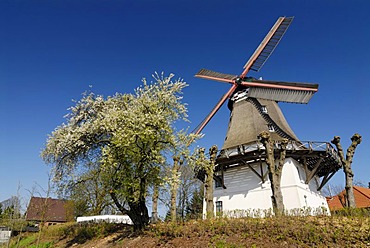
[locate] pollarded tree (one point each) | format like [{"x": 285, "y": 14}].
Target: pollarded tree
[
  {"x": 155, "y": 198},
  {"x": 181, "y": 157},
  {"x": 174, "y": 185},
  {"x": 128, "y": 133},
  {"x": 204, "y": 167},
  {"x": 347, "y": 166},
  {"x": 209, "y": 184},
  {"x": 275, "y": 170}
]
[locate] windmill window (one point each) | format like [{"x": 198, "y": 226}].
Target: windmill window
[
  {"x": 219, "y": 180},
  {"x": 218, "y": 183},
  {"x": 218, "y": 207},
  {"x": 264, "y": 109},
  {"x": 271, "y": 128}
]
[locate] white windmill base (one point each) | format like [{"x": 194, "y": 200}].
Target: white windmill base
[{"x": 247, "y": 196}]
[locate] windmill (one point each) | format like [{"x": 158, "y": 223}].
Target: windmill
[{"x": 253, "y": 105}]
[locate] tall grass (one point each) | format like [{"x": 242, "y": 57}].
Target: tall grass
[{"x": 345, "y": 228}]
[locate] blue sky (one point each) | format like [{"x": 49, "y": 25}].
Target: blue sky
[{"x": 51, "y": 51}]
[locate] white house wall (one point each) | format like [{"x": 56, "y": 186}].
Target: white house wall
[{"x": 245, "y": 191}]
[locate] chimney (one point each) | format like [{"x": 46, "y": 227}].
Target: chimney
[{"x": 369, "y": 185}]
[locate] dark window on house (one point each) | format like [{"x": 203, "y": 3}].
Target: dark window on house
[
  {"x": 219, "y": 180},
  {"x": 218, "y": 183},
  {"x": 218, "y": 207}
]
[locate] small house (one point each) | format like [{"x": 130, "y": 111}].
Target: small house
[
  {"x": 48, "y": 211},
  {"x": 362, "y": 199}
]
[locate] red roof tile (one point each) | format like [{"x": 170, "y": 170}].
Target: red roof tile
[
  {"x": 362, "y": 198},
  {"x": 47, "y": 210},
  {"x": 334, "y": 202}
]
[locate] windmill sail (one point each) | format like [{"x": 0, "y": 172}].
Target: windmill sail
[
  {"x": 281, "y": 95},
  {"x": 268, "y": 45},
  {"x": 242, "y": 165},
  {"x": 214, "y": 75},
  {"x": 281, "y": 91}
]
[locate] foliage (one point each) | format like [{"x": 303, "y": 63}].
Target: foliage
[
  {"x": 181, "y": 184},
  {"x": 194, "y": 209},
  {"x": 126, "y": 136},
  {"x": 270, "y": 232},
  {"x": 11, "y": 216},
  {"x": 88, "y": 231},
  {"x": 188, "y": 190},
  {"x": 204, "y": 170},
  {"x": 10, "y": 209},
  {"x": 348, "y": 212},
  {"x": 8, "y": 212},
  {"x": 24, "y": 241},
  {"x": 285, "y": 231},
  {"x": 90, "y": 194}
]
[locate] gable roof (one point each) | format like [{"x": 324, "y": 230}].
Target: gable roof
[
  {"x": 362, "y": 198},
  {"x": 335, "y": 202},
  {"x": 47, "y": 210}
]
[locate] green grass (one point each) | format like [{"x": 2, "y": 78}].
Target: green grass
[
  {"x": 300, "y": 231},
  {"x": 25, "y": 241},
  {"x": 340, "y": 230}
]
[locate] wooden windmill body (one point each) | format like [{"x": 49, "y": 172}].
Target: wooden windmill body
[{"x": 241, "y": 182}]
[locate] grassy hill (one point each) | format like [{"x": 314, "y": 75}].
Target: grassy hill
[{"x": 325, "y": 231}]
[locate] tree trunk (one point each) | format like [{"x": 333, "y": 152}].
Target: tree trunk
[
  {"x": 183, "y": 197},
  {"x": 182, "y": 201},
  {"x": 174, "y": 187},
  {"x": 138, "y": 211},
  {"x": 275, "y": 169},
  {"x": 155, "y": 204},
  {"x": 277, "y": 196},
  {"x": 350, "y": 196},
  {"x": 208, "y": 185},
  {"x": 347, "y": 163}
]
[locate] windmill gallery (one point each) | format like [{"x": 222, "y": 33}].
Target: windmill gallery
[{"x": 257, "y": 129}]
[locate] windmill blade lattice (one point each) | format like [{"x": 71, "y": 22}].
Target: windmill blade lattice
[
  {"x": 281, "y": 95},
  {"x": 268, "y": 45},
  {"x": 260, "y": 89},
  {"x": 281, "y": 91},
  {"x": 214, "y": 75}
]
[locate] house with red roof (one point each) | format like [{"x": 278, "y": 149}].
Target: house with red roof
[
  {"x": 362, "y": 199},
  {"x": 48, "y": 211}
]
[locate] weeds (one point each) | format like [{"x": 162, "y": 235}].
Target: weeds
[
  {"x": 338, "y": 230},
  {"x": 24, "y": 241}
]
